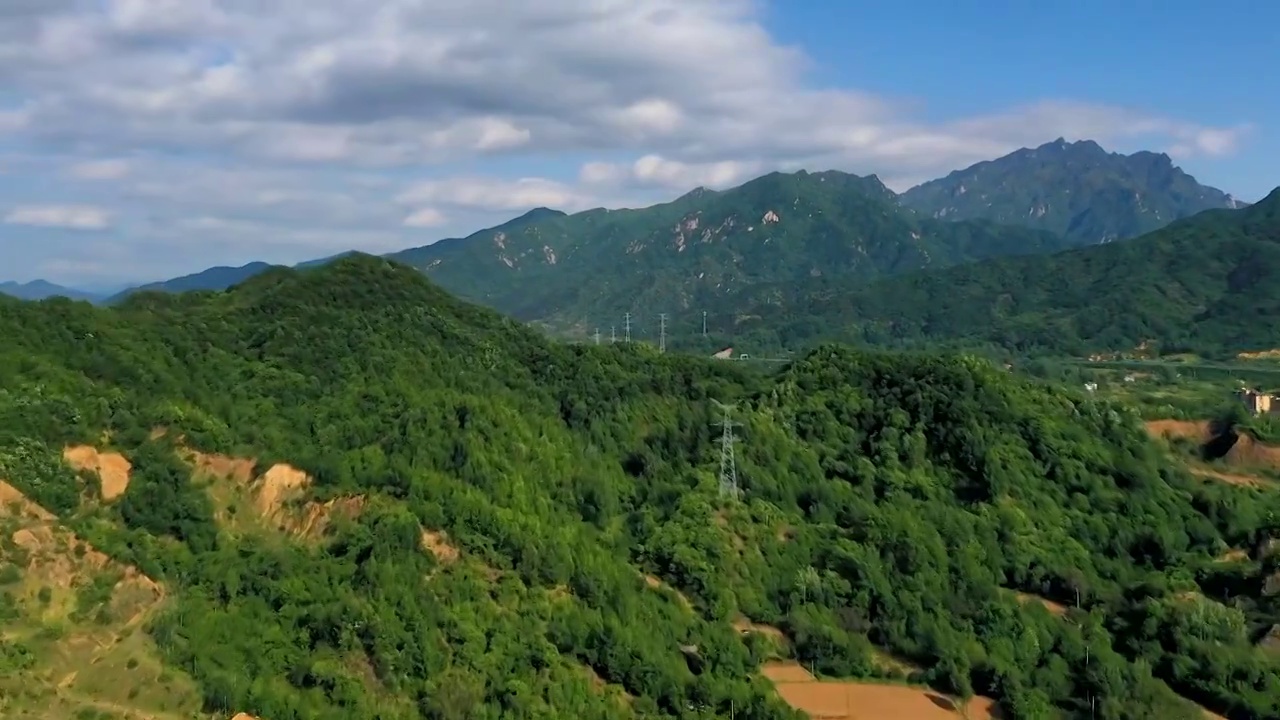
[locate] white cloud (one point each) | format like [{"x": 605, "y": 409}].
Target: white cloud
[
  {"x": 304, "y": 102},
  {"x": 425, "y": 218},
  {"x": 1213, "y": 142},
  {"x": 658, "y": 171},
  {"x": 71, "y": 217},
  {"x": 412, "y": 81},
  {"x": 100, "y": 170}
]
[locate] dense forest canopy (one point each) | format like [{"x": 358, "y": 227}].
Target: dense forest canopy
[{"x": 891, "y": 503}]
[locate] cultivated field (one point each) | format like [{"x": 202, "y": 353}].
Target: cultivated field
[{"x": 843, "y": 700}]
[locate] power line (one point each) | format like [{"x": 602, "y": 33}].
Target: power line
[
  {"x": 662, "y": 332},
  {"x": 728, "y": 460},
  {"x": 627, "y": 324}
]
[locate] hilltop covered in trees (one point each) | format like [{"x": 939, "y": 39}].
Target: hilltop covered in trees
[{"x": 892, "y": 503}]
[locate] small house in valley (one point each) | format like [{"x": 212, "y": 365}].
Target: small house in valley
[{"x": 1257, "y": 402}]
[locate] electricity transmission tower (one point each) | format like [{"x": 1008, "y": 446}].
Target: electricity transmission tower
[
  {"x": 704, "y": 324},
  {"x": 662, "y": 332},
  {"x": 728, "y": 461},
  {"x": 597, "y": 336},
  {"x": 613, "y": 334},
  {"x": 626, "y": 320}
]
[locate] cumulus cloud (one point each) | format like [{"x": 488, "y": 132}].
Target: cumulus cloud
[
  {"x": 419, "y": 80},
  {"x": 307, "y": 97},
  {"x": 70, "y": 217},
  {"x": 658, "y": 171}
]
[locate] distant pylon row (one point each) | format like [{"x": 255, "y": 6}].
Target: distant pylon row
[{"x": 662, "y": 330}]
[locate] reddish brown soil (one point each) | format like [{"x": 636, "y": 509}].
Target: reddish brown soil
[
  {"x": 437, "y": 543},
  {"x": 868, "y": 701},
  {"x": 111, "y": 468},
  {"x": 1054, "y": 608},
  {"x": 1195, "y": 430}
]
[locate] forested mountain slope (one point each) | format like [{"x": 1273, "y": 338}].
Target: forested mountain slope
[
  {"x": 1075, "y": 190},
  {"x": 360, "y": 497},
  {"x": 577, "y": 272},
  {"x": 1209, "y": 283}
]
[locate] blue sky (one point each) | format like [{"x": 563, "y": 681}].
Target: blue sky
[
  {"x": 1182, "y": 58},
  {"x": 142, "y": 139}
]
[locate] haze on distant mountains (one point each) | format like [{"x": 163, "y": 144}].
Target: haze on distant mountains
[{"x": 144, "y": 140}]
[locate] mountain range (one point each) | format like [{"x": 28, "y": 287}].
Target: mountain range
[
  {"x": 575, "y": 272},
  {"x": 1209, "y": 284},
  {"x": 797, "y": 234}
]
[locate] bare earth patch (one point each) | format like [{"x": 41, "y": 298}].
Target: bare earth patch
[
  {"x": 437, "y": 543},
  {"x": 98, "y": 656},
  {"x": 243, "y": 502},
  {"x": 1249, "y": 452},
  {"x": 14, "y": 503},
  {"x": 786, "y": 671},
  {"x": 277, "y": 484},
  {"x": 111, "y": 468},
  {"x": 1194, "y": 430},
  {"x": 1272, "y": 354},
  {"x": 1233, "y": 555},
  {"x": 314, "y": 518},
  {"x": 61, "y": 561},
  {"x": 1054, "y": 608},
  {"x": 1245, "y": 452},
  {"x": 840, "y": 700}
]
